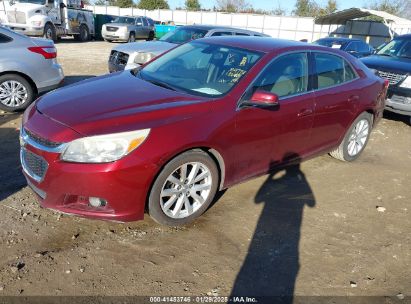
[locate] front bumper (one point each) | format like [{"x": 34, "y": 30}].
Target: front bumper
[
  {"x": 67, "y": 187},
  {"x": 118, "y": 35},
  {"x": 399, "y": 100},
  {"x": 26, "y": 29}
]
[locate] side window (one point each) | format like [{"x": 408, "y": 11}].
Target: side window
[
  {"x": 145, "y": 22},
  {"x": 150, "y": 21},
  {"x": 286, "y": 76},
  {"x": 332, "y": 70},
  {"x": 139, "y": 21},
  {"x": 4, "y": 38},
  {"x": 352, "y": 46},
  {"x": 363, "y": 47},
  {"x": 221, "y": 34},
  {"x": 241, "y": 34}
]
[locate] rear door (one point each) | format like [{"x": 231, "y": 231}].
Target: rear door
[{"x": 336, "y": 98}]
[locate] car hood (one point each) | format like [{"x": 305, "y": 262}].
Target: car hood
[
  {"x": 154, "y": 47},
  {"x": 116, "y": 103},
  {"x": 385, "y": 63}
]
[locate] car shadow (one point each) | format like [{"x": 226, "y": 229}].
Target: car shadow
[
  {"x": 272, "y": 262},
  {"x": 11, "y": 178},
  {"x": 397, "y": 117},
  {"x": 68, "y": 80}
]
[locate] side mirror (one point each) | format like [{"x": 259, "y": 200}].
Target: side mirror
[
  {"x": 264, "y": 100},
  {"x": 62, "y": 5},
  {"x": 139, "y": 24}
]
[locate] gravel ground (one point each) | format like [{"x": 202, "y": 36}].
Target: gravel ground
[{"x": 325, "y": 228}]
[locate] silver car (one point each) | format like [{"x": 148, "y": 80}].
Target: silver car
[
  {"x": 28, "y": 67},
  {"x": 132, "y": 55},
  {"x": 128, "y": 29}
]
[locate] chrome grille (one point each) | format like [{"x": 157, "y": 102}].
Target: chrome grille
[
  {"x": 111, "y": 28},
  {"x": 40, "y": 140},
  {"x": 393, "y": 78},
  {"x": 118, "y": 58},
  {"x": 34, "y": 165},
  {"x": 16, "y": 17}
]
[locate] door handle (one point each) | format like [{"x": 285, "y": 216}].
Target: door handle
[
  {"x": 353, "y": 98},
  {"x": 305, "y": 112}
]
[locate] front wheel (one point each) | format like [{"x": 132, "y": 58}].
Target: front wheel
[
  {"x": 50, "y": 32},
  {"x": 132, "y": 37},
  {"x": 184, "y": 189},
  {"x": 16, "y": 93},
  {"x": 355, "y": 139}
]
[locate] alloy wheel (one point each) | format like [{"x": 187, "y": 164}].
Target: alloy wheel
[
  {"x": 185, "y": 190},
  {"x": 13, "y": 93},
  {"x": 358, "y": 137}
]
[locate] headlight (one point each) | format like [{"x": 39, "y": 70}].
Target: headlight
[
  {"x": 142, "y": 58},
  {"x": 406, "y": 83},
  {"x": 103, "y": 148},
  {"x": 36, "y": 23}
]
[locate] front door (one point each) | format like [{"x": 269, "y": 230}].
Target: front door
[{"x": 270, "y": 137}]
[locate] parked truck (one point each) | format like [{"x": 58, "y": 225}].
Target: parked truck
[{"x": 50, "y": 19}]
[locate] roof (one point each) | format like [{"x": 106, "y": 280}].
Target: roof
[
  {"x": 339, "y": 39},
  {"x": 259, "y": 44},
  {"x": 220, "y": 27},
  {"x": 341, "y": 17}
]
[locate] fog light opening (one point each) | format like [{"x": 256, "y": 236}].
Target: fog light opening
[{"x": 97, "y": 202}]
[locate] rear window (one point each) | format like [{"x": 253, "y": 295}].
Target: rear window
[
  {"x": 332, "y": 70},
  {"x": 4, "y": 38}
]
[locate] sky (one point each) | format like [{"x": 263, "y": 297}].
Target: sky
[{"x": 287, "y": 5}]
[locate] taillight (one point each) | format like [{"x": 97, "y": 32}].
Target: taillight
[
  {"x": 386, "y": 83},
  {"x": 48, "y": 52}
]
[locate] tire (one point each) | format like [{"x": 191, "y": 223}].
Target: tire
[
  {"x": 151, "y": 36},
  {"x": 10, "y": 81},
  {"x": 84, "y": 34},
  {"x": 132, "y": 37},
  {"x": 50, "y": 32},
  {"x": 355, "y": 140},
  {"x": 199, "y": 200}
]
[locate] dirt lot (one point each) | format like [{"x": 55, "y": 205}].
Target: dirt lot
[{"x": 313, "y": 230}]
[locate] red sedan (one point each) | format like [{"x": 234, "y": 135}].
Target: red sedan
[{"x": 203, "y": 117}]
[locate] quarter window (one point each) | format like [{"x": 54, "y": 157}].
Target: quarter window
[
  {"x": 332, "y": 70},
  {"x": 286, "y": 76},
  {"x": 4, "y": 38}
]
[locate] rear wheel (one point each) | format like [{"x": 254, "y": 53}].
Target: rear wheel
[
  {"x": 150, "y": 36},
  {"x": 355, "y": 139},
  {"x": 16, "y": 93},
  {"x": 184, "y": 189},
  {"x": 84, "y": 34},
  {"x": 132, "y": 37}
]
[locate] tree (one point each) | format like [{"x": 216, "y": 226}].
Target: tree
[
  {"x": 306, "y": 8},
  {"x": 124, "y": 3},
  {"x": 193, "y": 5},
  {"x": 279, "y": 11},
  {"x": 231, "y": 6},
  {"x": 390, "y": 6},
  {"x": 153, "y": 4}
]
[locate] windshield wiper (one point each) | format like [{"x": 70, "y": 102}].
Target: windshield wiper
[
  {"x": 383, "y": 54},
  {"x": 161, "y": 84}
]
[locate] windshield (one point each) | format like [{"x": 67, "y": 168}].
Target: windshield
[
  {"x": 42, "y": 2},
  {"x": 397, "y": 48},
  {"x": 200, "y": 69},
  {"x": 124, "y": 20},
  {"x": 182, "y": 35}
]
